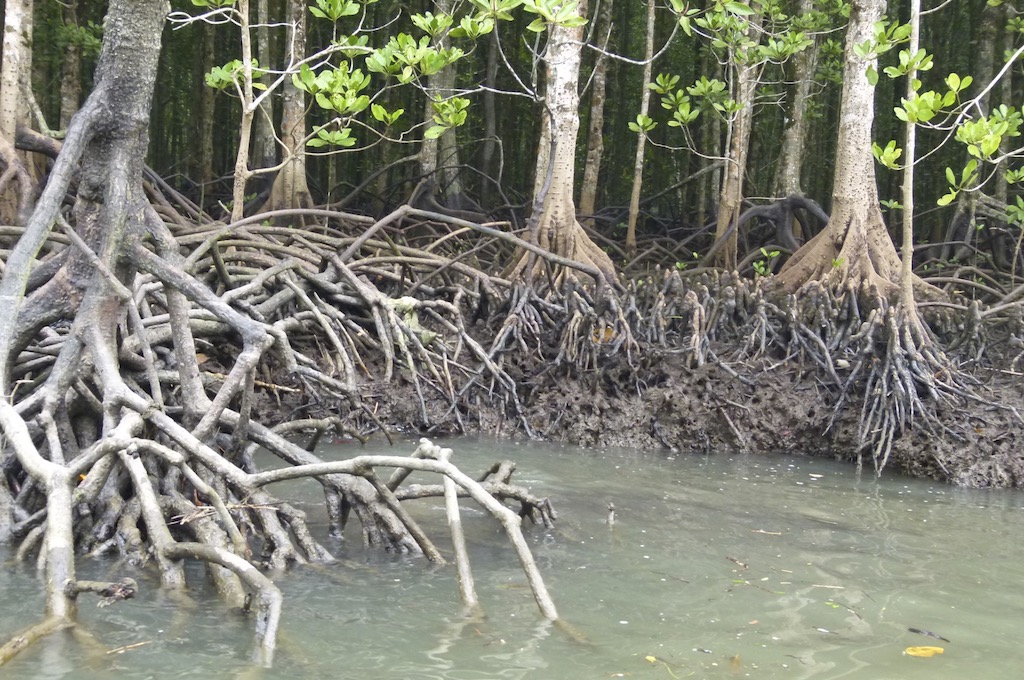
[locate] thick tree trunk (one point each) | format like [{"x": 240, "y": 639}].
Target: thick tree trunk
[
  {"x": 855, "y": 249},
  {"x": 15, "y": 71},
  {"x": 109, "y": 137},
  {"x": 556, "y": 229}
]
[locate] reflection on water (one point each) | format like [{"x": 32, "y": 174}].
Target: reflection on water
[{"x": 717, "y": 567}]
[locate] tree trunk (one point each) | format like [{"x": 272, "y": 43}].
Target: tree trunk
[
  {"x": 71, "y": 70},
  {"x": 731, "y": 198},
  {"x": 441, "y": 154},
  {"x": 207, "y": 110},
  {"x": 490, "y": 143},
  {"x": 638, "y": 162},
  {"x": 15, "y": 74},
  {"x": 855, "y": 249},
  {"x": 242, "y": 173},
  {"x": 290, "y": 189},
  {"x": 109, "y": 138},
  {"x": 595, "y": 129},
  {"x": 910, "y": 154},
  {"x": 556, "y": 229},
  {"x": 791, "y": 153},
  {"x": 264, "y": 142},
  {"x": 985, "y": 67},
  {"x": 1009, "y": 35}
]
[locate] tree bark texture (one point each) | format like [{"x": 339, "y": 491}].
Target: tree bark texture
[
  {"x": 441, "y": 154},
  {"x": 855, "y": 248},
  {"x": 71, "y": 70},
  {"x": 15, "y": 70},
  {"x": 264, "y": 144},
  {"x": 731, "y": 198},
  {"x": 595, "y": 127},
  {"x": 638, "y": 162},
  {"x": 556, "y": 229},
  {"x": 110, "y": 139},
  {"x": 791, "y": 153},
  {"x": 290, "y": 189}
]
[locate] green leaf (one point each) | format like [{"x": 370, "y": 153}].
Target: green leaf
[
  {"x": 968, "y": 172},
  {"x": 308, "y": 79},
  {"x": 872, "y": 75},
  {"x": 950, "y": 176},
  {"x": 947, "y": 198},
  {"x": 901, "y": 32},
  {"x": 434, "y": 131},
  {"x": 537, "y": 25},
  {"x": 738, "y": 8}
]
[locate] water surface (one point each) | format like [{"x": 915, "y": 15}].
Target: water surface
[{"x": 722, "y": 566}]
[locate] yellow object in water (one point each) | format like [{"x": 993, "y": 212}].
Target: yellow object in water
[{"x": 923, "y": 651}]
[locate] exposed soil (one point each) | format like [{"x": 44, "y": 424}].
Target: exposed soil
[{"x": 746, "y": 407}]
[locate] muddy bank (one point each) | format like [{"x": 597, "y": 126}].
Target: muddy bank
[{"x": 759, "y": 407}]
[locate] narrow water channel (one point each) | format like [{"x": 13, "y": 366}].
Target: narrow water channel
[{"x": 715, "y": 567}]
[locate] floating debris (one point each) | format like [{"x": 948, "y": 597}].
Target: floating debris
[{"x": 927, "y": 633}]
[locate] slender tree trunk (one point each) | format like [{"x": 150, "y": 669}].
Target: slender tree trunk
[
  {"x": 910, "y": 155},
  {"x": 595, "y": 129},
  {"x": 490, "y": 144},
  {"x": 71, "y": 70},
  {"x": 731, "y": 198},
  {"x": 264, "y": 143},
  {"x": 638, "y": 162},
  {"x": 207, "y": 110},
  {"x": 791, "y": 153},
  {"x": 242, "y": 171},
  {"x": 290, "y": 189},
  {"x": 441, "y": 153},
  {"x": 984, "y": 68},
  {"x": 709, "y": 184},
  {"x": 1009, "y": 35}
]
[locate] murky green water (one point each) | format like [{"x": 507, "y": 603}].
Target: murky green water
[{"x": 715, "y": 567}]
